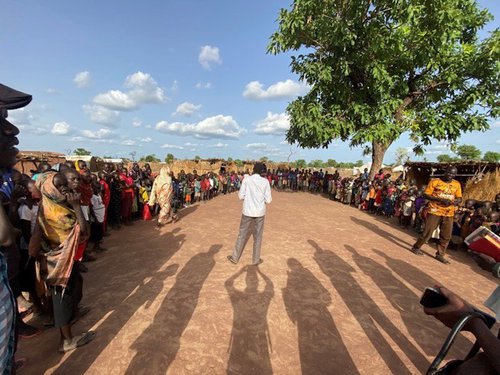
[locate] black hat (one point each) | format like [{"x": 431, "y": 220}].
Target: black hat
[{"x": 12, "y": 99}]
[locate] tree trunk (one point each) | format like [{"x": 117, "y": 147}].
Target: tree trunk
[{"x": 378, "y": 152}]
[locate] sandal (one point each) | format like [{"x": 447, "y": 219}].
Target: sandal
[
  {"x": 77, "y": 341},
  {"x": 230, "y": 258},
  {"x": 260, "y": 261},
  {"x": 442, "y": 259},
  {"x": 416, "y": 251}
]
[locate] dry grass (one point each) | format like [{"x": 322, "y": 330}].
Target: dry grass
[{"x": 484, "y": 189}]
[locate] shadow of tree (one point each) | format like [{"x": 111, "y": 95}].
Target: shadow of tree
[
  {"x": 366, "y": 311},
  {"x": 158, "y": 345},
  {"x": 250, "y": 341},
  {"x": 321, "y": 348}
]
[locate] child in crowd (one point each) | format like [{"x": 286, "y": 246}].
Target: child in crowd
[
  {"x": 197, "y": 188},
  {"x": 97, "y": 212}
]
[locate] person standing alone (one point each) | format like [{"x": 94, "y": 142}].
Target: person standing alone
[
  {"x": 255, "y": 192},
  {"x": 443, "y": 194}
]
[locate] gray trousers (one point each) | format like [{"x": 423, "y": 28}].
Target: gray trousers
[{"x": 249, "y": 225}]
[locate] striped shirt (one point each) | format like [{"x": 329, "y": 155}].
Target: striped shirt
[{"x": 7, "y": 320}]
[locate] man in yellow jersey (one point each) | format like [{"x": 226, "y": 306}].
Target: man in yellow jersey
[{"x": 443, "y": 194}]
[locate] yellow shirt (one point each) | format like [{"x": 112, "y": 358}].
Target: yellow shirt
[{"x": 447, "y": 190}]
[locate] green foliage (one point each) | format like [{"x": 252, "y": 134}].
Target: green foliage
[
  {"x": 150, "y": 159},
  {"x": 446, "y": 158},
  {"x": 468, "y": 152},
  {"x": 229, "y": 160},
  {"x": 491, "y": 156},
  {"x": 299, "y": 163},
  {"x": 81, "y": 152},
  {"x": 315, "y": 163},
  {"x": 239, "y": 163},
  {"x": 379, "y": 69},
  {"x": 197, "y": 157},
  {"x": 169, "y": 158},
  {"x": 264, "y": 159},
  {"x": 359, "y": 163},
  {"x": 331, "y": 163}
]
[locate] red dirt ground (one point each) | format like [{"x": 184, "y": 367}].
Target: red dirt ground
[{"x": 337, "y": 294}]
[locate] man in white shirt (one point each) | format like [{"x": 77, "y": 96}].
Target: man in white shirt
[{"x": 255, "y": 193}]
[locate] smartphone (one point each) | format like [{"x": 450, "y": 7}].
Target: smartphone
[{"x": 432, "y": 297}]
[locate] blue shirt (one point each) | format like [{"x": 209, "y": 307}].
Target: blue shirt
[{"x": 7, "y": 321}]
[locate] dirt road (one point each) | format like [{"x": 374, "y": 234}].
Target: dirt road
[{"x": 337, "y": 294}]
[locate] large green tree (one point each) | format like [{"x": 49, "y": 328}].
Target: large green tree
[
  {"x": 468, "y": 152},
  {"x": 150, "y": 159},
  {"x": 491, "y": 156},
  {"x": 82, "y": 152},
  {"x": 379, "y": 68}
]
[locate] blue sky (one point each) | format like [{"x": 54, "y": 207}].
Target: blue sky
[{"x": 182, "y": 77}]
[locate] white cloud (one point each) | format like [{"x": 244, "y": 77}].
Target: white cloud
[
  {"x": 143, "y": 89},
  {"x": 219, "y": 126},
  {"x": 136, "y": 123},
  {"x": 441, "y": 148},
  {"x": 280, "y": 90},
  {"x": 209, "y": 56},
  {"x": 256, "y": 145},
  {"x": 189, "y": 144},
  {"x": 175, "y": 86},
  {"x": 50, "y": 91},
  {"x": 25, "y": 121},
  {"x": 61, "y": 128},
  {"x": 99, "y": 134},
  {"x": 147, "y": 140},
  {"x": 128, "y": 142},
  {"x": 82, "y": 79},
  {"x": 101, "y": 115},
  {"x": 274, "y": 123},
  {"x": 219, "y": 145},
  {"x": 496, "y": 124},
  {"x": 166, "y": 145},
  {"x": 187, "y": 109},
  {"x": 30, "y": 129},
  {"x": 201, "y": 85}
]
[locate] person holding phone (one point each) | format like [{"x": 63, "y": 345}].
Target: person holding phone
[
  {"x": 485, "y": 362},
  {"x": 443, "y": 195}
]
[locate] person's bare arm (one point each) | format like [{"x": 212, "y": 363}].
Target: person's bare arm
[
  {"x": 73, "y": 200},
  {"x": 488, "y": 342},
  {"x": 7, "y": 231},
  {"x": 454, "y": 310}
]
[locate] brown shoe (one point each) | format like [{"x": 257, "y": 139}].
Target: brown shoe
[{"x": 230, "y": 258}]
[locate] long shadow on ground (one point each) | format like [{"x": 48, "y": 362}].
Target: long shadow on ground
[
  {"x": 321, "y": 348},
  {"x": 158, "y": 345},
  {"x": 118, "y": 297},
  {"x": 426, "y": 331},
  {"x": 382, "y": 233},
  {"x": 250, "y": 340},
  {"x": 366, "y": 311}
]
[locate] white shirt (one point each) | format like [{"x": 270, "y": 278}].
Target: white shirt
[
  {"x": 255, "y": 193},
  {"x": 98, "y": 208}
]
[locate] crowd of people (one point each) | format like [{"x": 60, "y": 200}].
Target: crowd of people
[
  {"x": 56, "y": 219},
  {"x": 387, "y": 196}
]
